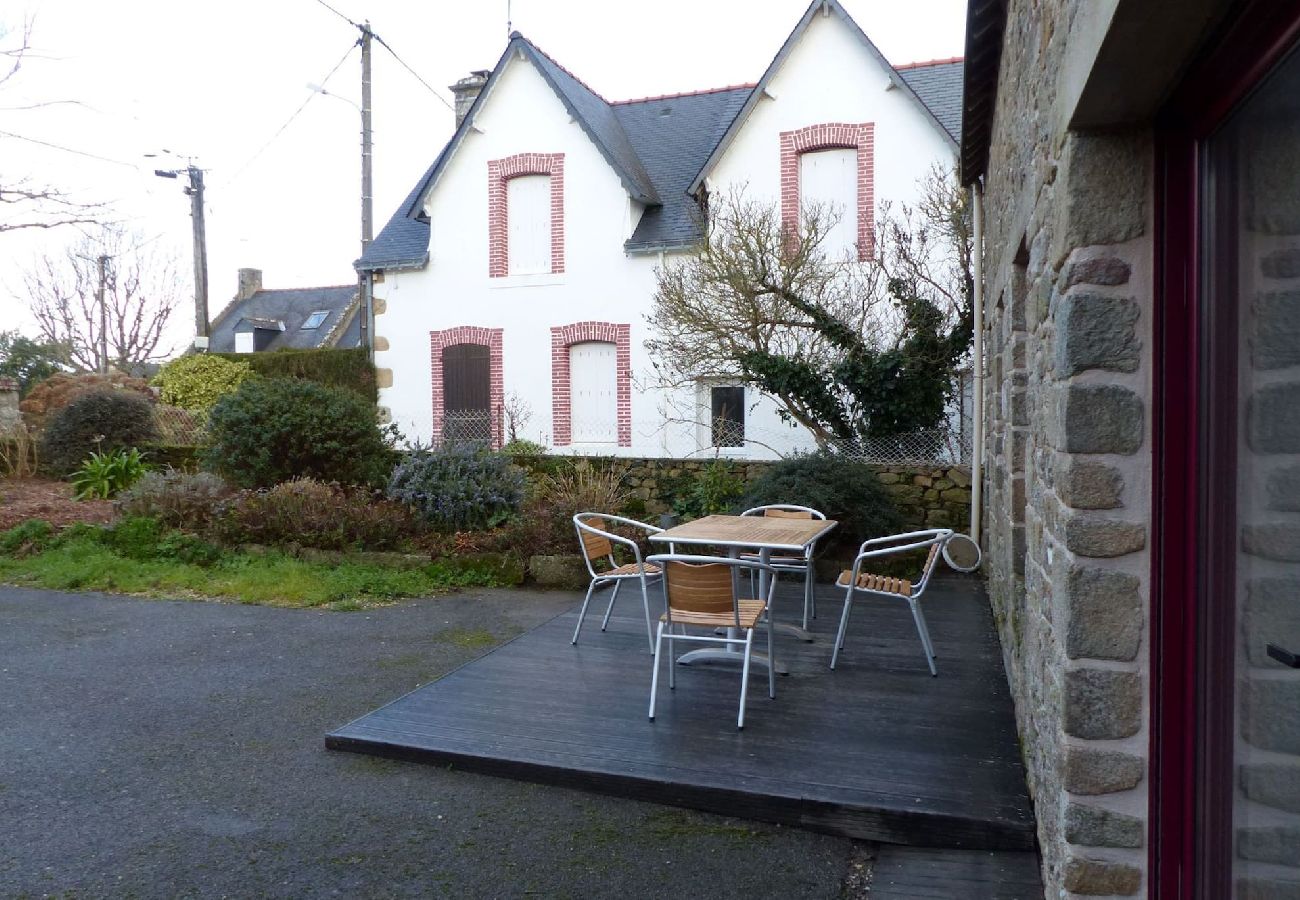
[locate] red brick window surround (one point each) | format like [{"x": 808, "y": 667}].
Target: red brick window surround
[
  {"x": 499, "y": 172},
  {"x": 830, "y": 136},
  {"x": 562, "y": 336},
  {"x": 468, "y": 334}
]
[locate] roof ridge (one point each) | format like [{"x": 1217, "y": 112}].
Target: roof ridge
[
  {"x": 929, "y": 62},
  {"x": 559, "y": 65},
  {"x": 749, "y": 86},
  {"x": 311, "y": 287}
]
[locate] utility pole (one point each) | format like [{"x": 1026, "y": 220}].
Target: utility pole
[
  {"x": 195, "y": 190},
  {"x": 367, "y": 191},
  {"x": 101, "y": 263}
]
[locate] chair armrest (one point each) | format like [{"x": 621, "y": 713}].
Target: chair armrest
[
  {"x": 926, "y": 533},
  {"x": 864, "y": 554},
  {"x": 623, "y": 520}
]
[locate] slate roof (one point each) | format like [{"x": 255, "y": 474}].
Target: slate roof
[
  {"x": 661, "y": 147},
  {"x": 939, "y": 85},
  {"x": 291, "y": 307}
]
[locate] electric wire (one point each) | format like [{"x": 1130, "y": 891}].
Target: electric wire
[
  {"x": 30, "y": 140},
  {"x": 272, "y": 139},
  {"x": 383, "y": 43},
  {"x": 337, "y": 13}
]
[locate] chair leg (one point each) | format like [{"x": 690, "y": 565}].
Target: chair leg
[
  {"x": 672, "y": 656},
  {"x": 609, "y": 609},
  {"x": 812, "y": 588},
  {"x": 582, "y": 613},
  {"x": 844, "y": 625},
  {"x": 645, "y": 601},
  {"x": 807, "y": 596},
  {"x": 654, "y": 675},
  {"x": 744, "y": 678},
  {"x": 771, "y": 660},
  {"x": 921, "y": 631}
]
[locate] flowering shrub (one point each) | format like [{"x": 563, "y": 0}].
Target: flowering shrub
[
  {"x": 176, "y": 499},
  {"x": 313, "y": 514}
]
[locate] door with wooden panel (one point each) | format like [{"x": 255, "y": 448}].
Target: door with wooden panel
[{"x": 467, "y": 392}]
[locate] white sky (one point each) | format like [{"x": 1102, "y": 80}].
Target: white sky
[{"x": 215, "y": 81}]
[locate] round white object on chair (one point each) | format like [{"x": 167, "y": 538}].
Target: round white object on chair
[{"x": 962, "y": 553}]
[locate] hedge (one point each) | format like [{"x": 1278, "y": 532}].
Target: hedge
[{"x": 330, "y": 366}]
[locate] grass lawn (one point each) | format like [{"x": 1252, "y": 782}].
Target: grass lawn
[{"x": 273, "y": 579}]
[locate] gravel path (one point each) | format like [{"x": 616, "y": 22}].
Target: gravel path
[{"x": 175, "y": 749}]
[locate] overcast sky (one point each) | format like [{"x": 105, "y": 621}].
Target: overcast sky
[{"x": 216, "y": 82}]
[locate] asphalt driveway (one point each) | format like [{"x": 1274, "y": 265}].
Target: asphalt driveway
[{"x": 174, "y": 749}]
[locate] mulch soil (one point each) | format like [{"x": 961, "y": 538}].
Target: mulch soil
[{"x": 38, "y": 498}]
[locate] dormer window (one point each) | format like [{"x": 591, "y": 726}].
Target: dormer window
[{"x": 315, "y": 319}]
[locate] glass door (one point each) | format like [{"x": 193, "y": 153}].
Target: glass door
[{"x": 1248, "y": 634}]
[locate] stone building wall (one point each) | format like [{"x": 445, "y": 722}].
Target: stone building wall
[
  {"x": 9, "y": 415},
  {"x": 1068, "y": 299}
]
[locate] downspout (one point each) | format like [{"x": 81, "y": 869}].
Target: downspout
[{"x": 977, "y": 365}]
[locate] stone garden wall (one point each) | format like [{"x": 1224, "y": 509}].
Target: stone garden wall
[{"x": 9, "y": 415}]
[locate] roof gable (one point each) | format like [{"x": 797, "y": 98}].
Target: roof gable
[{"x": 825, "y": 7}]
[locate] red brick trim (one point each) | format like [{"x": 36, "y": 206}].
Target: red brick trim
[
  {"x": 827, "y": 136},
  {"x": 562, "y": 336},
  {"x": 468, "y": 334},
  {"x": 499, "y": 172}
]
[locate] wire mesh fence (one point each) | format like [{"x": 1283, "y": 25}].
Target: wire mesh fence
[
  {"x": 179, "y": 427},
  {"x": 950, "y": 446},
  {"x": 469, "y": 426}
]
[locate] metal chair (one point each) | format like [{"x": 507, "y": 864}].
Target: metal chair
[
  {"x": 857, "y": 581},
  {"x": 598, "y": 549},
  {"x": 802, "y": 563},
  {"x": 701, "y": 591}
]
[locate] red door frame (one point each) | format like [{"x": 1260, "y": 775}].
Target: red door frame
[{"x": 1186, "y": 818}]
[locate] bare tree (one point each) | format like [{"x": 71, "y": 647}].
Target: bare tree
[
  {"x": 849, "y": 349},
  {"x": 24, "y": 202},
  {"x": 141, "y": 289}
]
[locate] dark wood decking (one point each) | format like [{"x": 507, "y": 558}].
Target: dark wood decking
[{"x": 876, "y": 750}]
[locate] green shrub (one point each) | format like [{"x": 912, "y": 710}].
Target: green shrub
[
  {"x": 459, "y": 487},
  {"x": 135, "y": 538},
  {"x": 714, "y": 490},
  {"x": 104, "y": 475},
  {"x": 276, "y": 429},
  {"x": 847, "y": 491},
  {"x": 197, "y": 381},
  {"x": 523, "y": 447},
  {"x": 31, "y": 536},
  {"x": 547, "y": 523},
  {"x": 350, "y": 370},
  {"x": 177, "y": 499},
  {"x": 313, "y": 514},
  {"x": 99, "y": 421},
  {"x": 188, "y": 548}
]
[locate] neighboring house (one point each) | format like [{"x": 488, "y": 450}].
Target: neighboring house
[
  {"x": 1141, "y": 172},
  {"x": 259, "y": 319},
  {"x": 523, "y": 263}
]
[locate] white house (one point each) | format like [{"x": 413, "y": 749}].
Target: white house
[{"x": 520, "y": 269}]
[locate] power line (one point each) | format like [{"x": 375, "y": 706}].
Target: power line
[
  {"x": 430, "y": 87},
  {"x": 295, "y": 114},
  {"x": 116, "y": 162},
  {"x": 337, "y": 13}
]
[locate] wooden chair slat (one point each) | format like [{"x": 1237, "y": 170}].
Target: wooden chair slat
[
  {"x": 787, "y": 514},
  {"x": 596, "y": 546},
  {"x": 699, "y": 588}
]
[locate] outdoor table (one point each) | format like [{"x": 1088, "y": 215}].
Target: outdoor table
[{"x": 762, "y": 533}]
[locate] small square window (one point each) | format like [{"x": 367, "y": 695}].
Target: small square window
[{"x": 315, "y": 319}]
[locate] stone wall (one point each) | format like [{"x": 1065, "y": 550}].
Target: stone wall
[
  {"x": 1068, "y": 299},
  {"x": 9, "y": 415},
  {"x": 927, "y": 496}
]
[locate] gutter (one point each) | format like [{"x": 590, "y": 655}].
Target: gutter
[{"x": 977, "y": 365}]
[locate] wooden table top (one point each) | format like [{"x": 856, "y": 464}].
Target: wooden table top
[{"x": 748, "y": 531}]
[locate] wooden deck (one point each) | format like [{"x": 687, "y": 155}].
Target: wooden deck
[{"x": 876, "y": 750}]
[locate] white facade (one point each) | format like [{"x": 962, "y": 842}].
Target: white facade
[{"x": 828, "y": 76}]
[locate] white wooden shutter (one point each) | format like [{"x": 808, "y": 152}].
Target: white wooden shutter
[
  {"x": 829, "y": 178},
  {"x": 528, "y": 212},
  {"x": 593, "y": 392}
]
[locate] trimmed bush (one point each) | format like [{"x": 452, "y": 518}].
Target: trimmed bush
[
  {"x": 61, "y": 388},
  {"x": 197, "y": 381},
  {"x": 277, "y": 429},
  {"x": 460, "y": 487},
  {"x": 330, "y": 366},
  {"x": 714, "y": 490},
  {"x": 313, "y": 514},
  {"x": 102, "y": 421},
  {"x": 848, "y": 492},
  {"x": 176, "y": 499}
]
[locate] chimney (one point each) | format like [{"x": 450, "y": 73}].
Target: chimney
[
  {"x": 250, "y": 282},
  {"x": 467, "y": 90}
]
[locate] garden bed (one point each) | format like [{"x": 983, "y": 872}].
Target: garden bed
[{"x": 40, "y": 498}]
